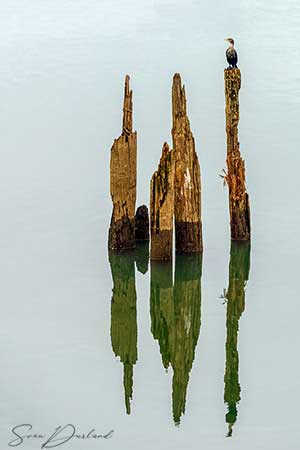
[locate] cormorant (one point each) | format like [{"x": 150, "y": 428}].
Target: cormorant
[{"x": 231, "y": 54}]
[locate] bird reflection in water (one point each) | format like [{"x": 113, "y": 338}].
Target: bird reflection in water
[
  {"x": 175, "y": 320},
  {"x": 239, "y": 267}
]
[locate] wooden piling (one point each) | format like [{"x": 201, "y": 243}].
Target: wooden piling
[
  {"x": 188, "y": 225},
  {"x": 239, "y": 205},
  {"x": 162, "y": 207},
  {"x": 123, "y": 181}
]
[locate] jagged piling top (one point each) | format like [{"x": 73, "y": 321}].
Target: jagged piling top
[
  {"x": 179, "y": 98},
  {"x": 179, "y": 112},
  {"x": 187, "y": 164},
  {"x": 123, "y": 180},
  {"x": 187, "y": 181},
  {"x": 127, "y": 108},
  {"x": 123, "y": 163}
]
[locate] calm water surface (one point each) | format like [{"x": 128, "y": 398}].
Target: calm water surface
[{"x": 175, "y": 356}]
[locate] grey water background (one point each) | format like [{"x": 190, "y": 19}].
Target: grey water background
[{"x": 61, "y": 85}]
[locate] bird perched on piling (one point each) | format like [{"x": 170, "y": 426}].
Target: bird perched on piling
[{"x": 231, "y": 54}]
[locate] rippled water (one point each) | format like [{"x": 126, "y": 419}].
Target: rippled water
[{"x": 229, "y": 333}]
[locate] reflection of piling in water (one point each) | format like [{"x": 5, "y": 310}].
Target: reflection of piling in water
[
  {"x": 124, "y": 317},
  {"x": 187, "y": 302},
  {"x": 175, "y": 320},
  {"x": 239, "y": 205},
  {"x": 162, "y": 307},
  {"x": 239, "y": 268}
]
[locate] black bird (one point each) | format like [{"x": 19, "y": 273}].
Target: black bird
[{"x": 231, "y": 54}]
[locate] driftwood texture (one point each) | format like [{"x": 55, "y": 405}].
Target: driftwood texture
[
  {"x": 162, "y": 206},
  {"x": 123, "y": 181},
  {"x": 188, "y": 226},
  {"x": 239, "y": 205}
]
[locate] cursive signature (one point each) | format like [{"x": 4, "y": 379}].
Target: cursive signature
[{"x": 60, "y": 436}]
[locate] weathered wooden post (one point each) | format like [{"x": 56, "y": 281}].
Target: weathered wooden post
[
  {"x": 162, "y": 207},
  {"x": 123, "y": 181},
  {"x": 188, "y": 225},
  {"x": 239, "y": 205}
]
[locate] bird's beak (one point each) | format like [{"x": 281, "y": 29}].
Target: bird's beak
[{"x": 226, "y": 39}]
